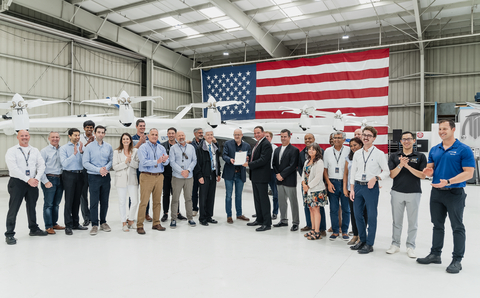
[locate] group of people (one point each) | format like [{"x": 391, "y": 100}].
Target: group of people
[{"x": 344, "y": 177}]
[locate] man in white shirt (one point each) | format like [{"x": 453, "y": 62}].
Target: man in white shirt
[
  {"x": 26, "y": 167},
  {"x": 369, "y": 165},
  {"x": 334, "y": 162}
]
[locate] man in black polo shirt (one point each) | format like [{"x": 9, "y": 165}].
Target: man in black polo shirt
[{"x": 406, "y": 169}]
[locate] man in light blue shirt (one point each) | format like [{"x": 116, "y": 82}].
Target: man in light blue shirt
[
  {"x": 52, "y": 185},
  {"x": 72, "y": 178},
  {"x": 97, "y": 159},
  {"x": 182, "y": 160}
]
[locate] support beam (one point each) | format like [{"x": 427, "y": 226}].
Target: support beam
[
  {"x": 421, "y": 45},
  {"x": 87, "y": 21},
  {"x": 125, "y": 7},
  {"x": 5, "y": 5}
]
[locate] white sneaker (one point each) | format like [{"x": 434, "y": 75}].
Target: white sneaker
[
  {"x": 94, "y": 230},
  {"x": 411, "y": 253},
  {"x": 393, "y": 249}
]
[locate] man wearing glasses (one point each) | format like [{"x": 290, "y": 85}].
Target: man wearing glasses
[
  {"x": 369, "y": 165},
  {"x": 406, "y": 168},
  {"x": 182, "y": 160}
]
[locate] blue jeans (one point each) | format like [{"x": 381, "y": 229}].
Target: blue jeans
[
  {"x": 323, "y": 223},
  {"x": 99, "y": 188},
  {"x": 336, "y": 199},
  {"x": 273, "y": 187},
  {"x": 52, "y": 197},
  {"x": 237, "y": 179},
  {"x": 366, "y": 198}
]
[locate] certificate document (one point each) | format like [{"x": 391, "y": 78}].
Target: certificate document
[{"x": 240, "y": 158}]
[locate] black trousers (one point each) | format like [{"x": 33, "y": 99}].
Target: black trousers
[
  {"x": 167, "y": 191},
  {"x": 207, "y": 197},
  {"x": 18, "y": 190},
  {"x": 262, "y": 203},
  {"x": 195, "y": 195},
  {"x": 73, "y": 185},
  {"x": 452, "y": 203},
  {"x": 84, "y": 197}
]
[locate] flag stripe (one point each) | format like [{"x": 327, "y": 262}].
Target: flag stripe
[
  {"x": 325, "y": 104},
  {"x": 359, "y": 112}
]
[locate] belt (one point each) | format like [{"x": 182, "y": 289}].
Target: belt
[
  {"x": 237, "y": 171},
  {"x": 75, "y": 171},
  {"x": 361, "y": 183},
  {"x": 335, "y": 179},
  {"x": 448, "y": 188},
  {"x": 52, "y": 175},
  {"x": 153, "y": 174}
]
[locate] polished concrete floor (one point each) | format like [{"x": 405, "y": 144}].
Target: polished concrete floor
[{"x": 231, "y": 260}]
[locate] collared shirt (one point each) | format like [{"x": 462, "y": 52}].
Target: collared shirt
[
  {"x": 405, "y": 181},
  {"x": 97, "y": 156},
  {"x": 136, "y": 139},
  {"x": 371, "y": 163},
  {"x": 148, "y": 154},
  {"x": 51, "y": 156},
  {"x": 179, "y": 162},
  {"x": 273, "y": 150},
  {"x": 214, "y": 156},
  {"x": 281, "y": 153},
  {"x": 334, "y": 159},
  {"x": 449, "y": 163},
  {"x": 20, "y": 159},
  {"x": 70, "y": 161},
  {"x": 84, "y": 139}
]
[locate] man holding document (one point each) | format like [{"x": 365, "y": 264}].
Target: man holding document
[{"x": 235, "y": 153}]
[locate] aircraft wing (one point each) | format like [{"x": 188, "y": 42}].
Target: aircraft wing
[
  {"x": 65, "y": 122},
  {"x": 6, "y": 105},
  {"x": 104, "y": 101},
  {"x": 38, "y": 103},
  {"x": 474, "y": 105},
  {"x": 229, "y": 102},
  {"x": 137, "y": 99}
]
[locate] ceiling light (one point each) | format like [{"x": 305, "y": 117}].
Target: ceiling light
[
  {"x": 367, "y": 1},
  {"x": 171, "y": 21},
  {"x": 225, "y": 54},
  {"x": 212, "y": 12},
  {"x": 189, "y": 31},
  {"x": 292, "y": 12},
  {"x": 278, "y": 2},
  {"x": 345, "y": 36},
  {"x": 228, "y": 24}
]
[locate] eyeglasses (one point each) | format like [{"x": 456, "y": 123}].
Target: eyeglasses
[
  {"x": 184, "y": 155},
  {"x": 338, "y": 138},
  {"x": 407, "y": 140},
  {"x": 367, "y": 136}
]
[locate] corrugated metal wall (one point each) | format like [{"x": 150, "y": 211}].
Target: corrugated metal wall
[{"x": 175, "y": 90}]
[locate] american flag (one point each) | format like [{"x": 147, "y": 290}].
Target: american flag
[{"x": 351, "y": 82}]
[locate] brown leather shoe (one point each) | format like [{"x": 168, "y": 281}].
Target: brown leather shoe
[
  {"x": 323, "y": 233},
  {"x": 50, "y": 231},
  {"x": 230, "y": 220},
  {"x": 243, "y": 217},
  {"x": 141, "y": 231},
  {"x": 148, "y": 218},
  {"x": 158, "y": 227},
  {"x": 57, "y": 227},
  {"x": 306, "y": 228}
]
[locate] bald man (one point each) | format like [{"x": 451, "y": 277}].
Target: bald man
[
  {"x": 26, "y": 167},
  {"x": 358, "y": 133}
]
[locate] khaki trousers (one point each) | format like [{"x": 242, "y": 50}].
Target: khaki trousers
[
  {"x": 150, "y": 184},
  {"x": 177, "y": 186}
]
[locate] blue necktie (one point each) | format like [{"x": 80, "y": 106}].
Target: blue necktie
[{"x": 211, "y": 156}]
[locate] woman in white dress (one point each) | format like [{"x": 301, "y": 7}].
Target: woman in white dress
[{"x": 125, "y": 164}]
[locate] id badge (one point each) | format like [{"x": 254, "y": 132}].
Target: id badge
[
  {"x": 337, "y": 170},
  {"x": 364, "y": 177},
  {"x": 27, "y": 172}
]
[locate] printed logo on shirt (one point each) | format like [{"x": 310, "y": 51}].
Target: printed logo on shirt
[
  {"x": 453, "y": 152},
  {"x": 414, "y": 160}
]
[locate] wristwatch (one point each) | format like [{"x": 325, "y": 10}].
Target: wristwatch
[
  {"x": 378, "y": 178},
  {"x": 448, "y": 182}
]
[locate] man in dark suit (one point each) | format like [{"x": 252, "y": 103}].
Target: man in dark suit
[
  {"x": 309, "y": 139},
  {"x": 259, "y": 165},
  {"x": 285, "y": 162}
]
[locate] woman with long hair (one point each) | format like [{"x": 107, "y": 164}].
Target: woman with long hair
[
  {"x": 125, "y": 164},
  {"x": 355, "y": 144},
  {"x": 314, "y": 192}
]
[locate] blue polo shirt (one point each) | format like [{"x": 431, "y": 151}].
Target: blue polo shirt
[{"x": 449, "y": 163}]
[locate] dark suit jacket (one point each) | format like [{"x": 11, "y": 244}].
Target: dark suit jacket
[
  {"x": 260, "y": 171},
  {"x": 286, "y": 168},
  {"x": 203, "y": 168},
  {"x": 301, "y": 159},
  {"x": 229, "y": 149}
]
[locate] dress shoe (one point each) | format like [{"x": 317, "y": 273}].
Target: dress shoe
[
  {"x": 68, "y": 231},
  {"x": 194, "y": 213},
  {"x": 141, "y": 231},
  {"x": 306, "y": 228},
  {"x": 274, "y": 216},
  {"x": 252, "y": 224},
  {"x": 204, "y": 223},
  {"x": 38, "y": 233},
  {"x": 230, "y": 220},
  {"x": 211, "y": 220},
  {"x": 243, "y": 217},
  {"x": 280, "y": 224},
  {"x": 50, "y": 231},
  {"x": 393, "y": 249},
  {"x": 365, "y": 249},
  {"x": 263, "y": 228},
  {"x": 79, "y": 227},
  {"x": 358, "y": 246},
  {"x": 254, "y": 215},
  {"x": 158, "y": 227},
  {"x": 57, "y": 227},
  {"x": 181, "y": 217},
  {"x": 294, "y": 228},
  {"x": 431, "y": 258},
  {"x": 148, "y": 218},
  {"x": 455, "y": 266},
  {"x": 164, "y": 218},
  {"x": 10, "y": 240},
  {"x": 353, "y": 241},
  {"x": 86, "y": 223}
]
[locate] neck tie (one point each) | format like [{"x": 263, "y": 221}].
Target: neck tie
[
  {"x": 211, "y": 156},
  {"x": 253, "y": 150}
]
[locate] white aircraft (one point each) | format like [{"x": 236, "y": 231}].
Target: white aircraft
[
  {"x": 474, "y": 105},
  {"x": 17, "y": 118}
]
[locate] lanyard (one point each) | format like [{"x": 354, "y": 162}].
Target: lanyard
[
  {"x": 365, "y": 161},
  {"x": 340, "y": 155},
  {"x": 26, "y": 157},
  {"x": 154, "y": 150}
]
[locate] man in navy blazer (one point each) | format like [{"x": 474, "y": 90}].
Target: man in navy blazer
[
  {"x": 234, "y": 174},
  {"x": 285, "y": 161}
]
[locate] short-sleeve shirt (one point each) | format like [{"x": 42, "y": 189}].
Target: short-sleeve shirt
[
  {"x": 449, "y": 163},
  {"x": 405, "y": 181}
]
